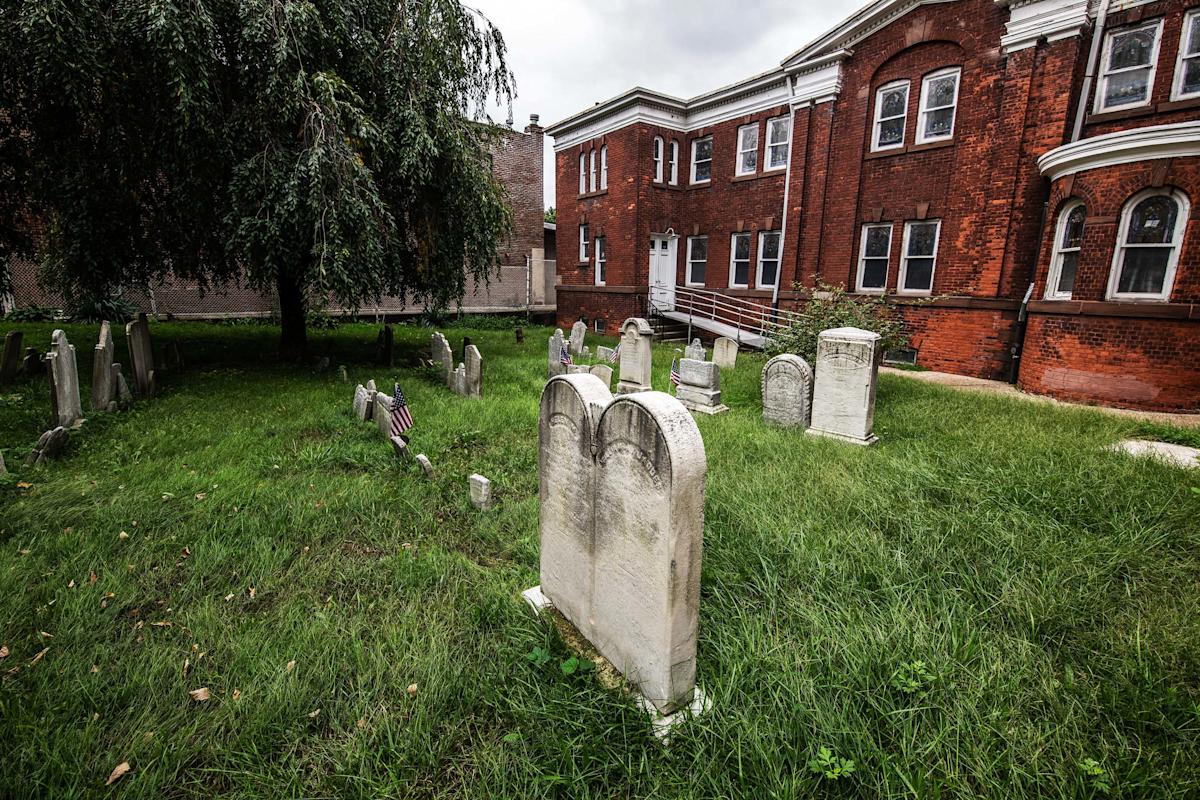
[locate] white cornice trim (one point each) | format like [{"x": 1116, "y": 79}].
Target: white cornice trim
[
  {"x": 1031, "y": 21},
  {"x": 1122, "y": 147},
  {"x": 855, "y": 28}
]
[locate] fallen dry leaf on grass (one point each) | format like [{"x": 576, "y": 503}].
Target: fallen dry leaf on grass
[
  {"x": 24, "y": 485},
  {"x": 117, "y": 772},
  {"x": 201, "y": 495},
  {"x": 162, "y": 624},
  {"x": 291, "y": 665},
  {"x": 228, "y": 597},
  {"x": 39, "y": 656},
  {"x": 237, "y": 694},
  {"x": 186, "y": 553},
  {"x": 71, "y": 585},
  {"x": 187, "y": 666},
  {"x": 45, "y": 635},
  {"x": 92, "y": 578},
  {"x": 4, "y": 652},
  {"x": 412, "y": 690},
  {"x": 252, "y": 592},
  {"x": 314, "y": 714},
  {"x": 201, "y": 694},
  {"x": 122, "y": 535}
]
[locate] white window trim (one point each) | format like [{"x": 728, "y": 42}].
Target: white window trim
[
  {"x": 674, "y": 162},
  {"x": 584, "y": 241},
  {"x": 786, "y": 144},
  {"x": 692, "y": 168},
  {"x": 862, "y": 258},
  {"x": 904, "y": 257},
  {"x": 1102, "y": 82},
  {"x": 922, "y": 109},
  {"x": 1177, "y": 92},
  {"x": 583, "y": 173},
  {"x": 658, "y": 159},
  {"x": 876, "y": 147},
  {"x": 737, "y": 167},
  {"x": 687, "y": 272},
  {"x": 1056, "y": 255},
  {"x": 733, "y": 252},
  {"x": 758, "y": 273},
  {"x": 592, "y": 171},
  {"x": 603, "y": 167},
  {"x": 600, "y": 262},
  {"x": 1181, "y": 219}
]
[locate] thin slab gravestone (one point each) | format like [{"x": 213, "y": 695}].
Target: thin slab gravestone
[
  {"x": 442, "y": 354},
  {"x": 141, "y": 355},
  {"x": 64, "y": 369},
  {"x": 519, "y": 335},
  {"x": 359, "y": 409},
  {"x": 636, "y": 336},
  {"x": 481, "y": 492},
  {"x": 603, "y": 372},
  {"x": 554, "y": 365},
  {"x": 604, "y": 353},
  {"x": 473, "y": 380},
  {"x": 843, "y": 405},
  {"x": 10, "y": 360},
  {"x": 49, "y": 445},
  {"x": 426, "y": 465},
  {"x": 695, "y": 351},
  {"x": 123, "y": 395},
  {"x": 725, "y": 352},
  {"x": 104, "y": 390},
  {"x": 699, "y": 386},
  {"x": 383, "y": 414},
  {"x": 621, "y": 541},
  {"x": 30, "y": 365},
  {"x": 578, "y": 335},
  {"x": 787, "y": 386}
]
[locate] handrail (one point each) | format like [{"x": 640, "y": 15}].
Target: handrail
[{"x": 701, "y": 304}]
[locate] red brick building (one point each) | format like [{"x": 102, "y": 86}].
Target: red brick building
[{"x": 1022, "y": 177}]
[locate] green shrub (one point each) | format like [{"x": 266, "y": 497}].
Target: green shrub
[
  {"x": 32, "y": 313},
  {"x": 320, "y": 321},
  {"x": 833, "y": 307},
  {"x": 98, "y": 309}
]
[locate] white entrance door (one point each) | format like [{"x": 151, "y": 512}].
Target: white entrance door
[{"x": 662, "y": 270}]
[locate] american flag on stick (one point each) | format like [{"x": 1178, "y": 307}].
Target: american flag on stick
[
  {"x": 615, "y": 355},
  {"x": 564, "y": 357},
  {"x": 675, "y": 371},
  {"x": 401, "y": 417}
]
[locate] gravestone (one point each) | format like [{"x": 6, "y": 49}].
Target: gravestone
[
  {"x": 121, "y": 388},
  {"x": 578, "y": 369},
  {"x": 400, "y": 447},
  {"x": 605, "y": 353},
  {"x": 382, "y": 414},
  {"x": 519, "y": 335},
  {"x": 787, "y": 385},
  {"x": 466, "y": 343},
  {"x": 3, "y": 469},
  {"x": 725, "y": 352},
  {"x": 554, "y": 365},
  {"x": 49, "y": 445},
  {"x": 64, "y": 370},
  {"x": 843, "y": 405},
  {"x": 322, "y": 365},
  {"x": 636, "y": 335},
  {"x": 603, "y": 372},
  {"x": 31, "y": 364},
  {"x": 481, "y": 492},
  {"x": 578, "y": 335},
  {"x": 10, "y": 359},
  {"x": 699, "y": 386},
  {"x": 473, "y": 361},
  {"x": 141, "y": 355},
  {"x": 386, "y": 346},
  {"x": 586, "y": 353},
  {"x": 621, "y": 541},
  {"x": 695, "y": 351},
  {"x": 359, "y": 409},
  {"x": 104, "y": 389},
  {"x": 426, "y": 465},
  {"x": 343, "y": 375},
  {"x": 458, "y": 380},
  {"x": 441, "y": 353}
]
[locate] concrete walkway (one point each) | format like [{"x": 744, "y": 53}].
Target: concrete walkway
[{"x": 1007, "y": 389}]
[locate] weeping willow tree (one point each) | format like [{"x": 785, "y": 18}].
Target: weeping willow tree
[{"x": 314, "y": 149}]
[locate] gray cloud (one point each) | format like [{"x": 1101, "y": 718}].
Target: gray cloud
[{"x": 570, "y": 54}]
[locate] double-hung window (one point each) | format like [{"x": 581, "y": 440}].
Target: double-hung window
[
  {"x": 1187, "y": 70},
  {"x": 592, "y": 171},
  {"x": 739, "y": 261},
  {"x": 1065, "y": 260},
  {"x": 939, "y": 104},
  {"x": 702, "y": 160},
  {"x": 874, "y": 257},
  {"x": 584, "y": 243},
  {"x": 583, "y": 173},
  {"x": 779, "y": 141},
  {"x": 1148, "y": 246},
  {"x": 891, "y": 115},
  {"x": 1128, "y": 66},
  {"x": 920, "y": 257},
  {"x": 604, "y": 167},
  {"x": 673, "y": 164},
  {"x": 747, "y": 155},
  {"x": 768, "y": 259},
  {"x": 601, "y": 261},
  {"x": 658, "y": 159},
  {"x": 697, "y": 260}
]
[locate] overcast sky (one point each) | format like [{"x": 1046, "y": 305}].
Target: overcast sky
[{"x": 568, "y": 54}]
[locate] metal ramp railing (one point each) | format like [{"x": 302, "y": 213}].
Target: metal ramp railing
[{"x": 744, "y": 321}]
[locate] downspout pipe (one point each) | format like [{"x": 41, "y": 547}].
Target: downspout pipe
[
  {"x": 787, "y": 185},
  {"x": 1089, "y": 76}
]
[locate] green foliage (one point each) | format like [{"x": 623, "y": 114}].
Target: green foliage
[
  {"x": 834, "y": 307},
  {"x": 1095, "y": 775},
  {"x": 576, "y": 665},
  {"x": 913, "y": 678},
  {"x": 551, "y": 215},
  {"x": 317, "y": 149},
  {"x": 320, "y": 321},
  {"x": 828, "y": 765},
  {"x": 538, "y": 656},
  {"x": 31, "y": 313},
  {"x": 105, "y": 307},
  {"x": 1161, "y": 432}
]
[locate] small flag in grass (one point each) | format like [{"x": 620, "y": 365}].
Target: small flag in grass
[
  {"x": 401, "y": 417},
  {"x": 675, "y": 371},
  {"x": 615, "y": 355},
  {"x": 564, "y": 357}
]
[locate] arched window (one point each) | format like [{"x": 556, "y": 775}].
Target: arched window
[
  {"x": 592, "y": 172},
  {"x": 1148, "y": 243},
  {"x": 674, "y": 163},
  {"x": 583, "y": 173},
  {"x": 604, "y": 167},
  {"x": 658, "y": 159},
  {"x": 1065, "y": 259}
]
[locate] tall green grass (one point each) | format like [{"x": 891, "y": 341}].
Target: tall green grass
[{"x": 1049, "y": 588}]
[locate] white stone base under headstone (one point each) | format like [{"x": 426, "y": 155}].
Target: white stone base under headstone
[{"x": 1173, "y": 455}]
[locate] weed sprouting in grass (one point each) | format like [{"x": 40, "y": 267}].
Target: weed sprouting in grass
[{"x": 830, "y": 766}]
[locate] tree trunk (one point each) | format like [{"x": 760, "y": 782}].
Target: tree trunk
[{"x": 293, "y": 341}]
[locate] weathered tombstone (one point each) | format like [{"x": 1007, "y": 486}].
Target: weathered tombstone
[
  {"x": 843, "y": 405},
  {"x": 473, "y": 382},
  {"x": 400, "y": 447},
  {"x": 49, "y": 445},
  {"x": 31, "y": 364},
  {"x": 10, "y": 360},
  {"x": 141, "y": 355},
  {"x": 695, "y": 351},
  {"x": 586, "y": 352},
  {"x": 578, "y": 369},
  {"x": 603, "y": 372},
  {"x": 371, "y": 385},
  {"x": 343, "y": 375},
  {"x": 322, "y": 365},
  {"x": 481, "y": 492},
  {"x": 636, "y": 336},
  {"x": 554, "y": 365},
  {"x": 441, "y": 353},
  {"x": 787, "y": 384},
  {"x": 359, "y": 409},
  {"x": 64, "y": 370},
  {"x": 621, "y": 541},
  {"x": 426, "y": 465},
  {"x": 604, "y": 353},
  {"x": 458, "y": 380},
  {"x": 519, "y": 335},
  {"x": 699, "y": 386},
  {"x": 383, "y": 414},
  {"x": 121, "y": 388},
  {"x": 386, "y": 346},
  {"x": 3, "y": 469},
  {"x": 578, "y": 335},
  {"x": 725, "y": 352},
  {"x": 104, "y": 390},
  {"x": 466, "y": 343}
]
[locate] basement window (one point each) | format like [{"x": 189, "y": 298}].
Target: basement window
[{"x": 1128, "y": 65}]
